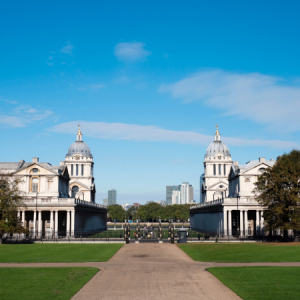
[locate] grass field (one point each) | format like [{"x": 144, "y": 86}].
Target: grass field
[
  {"x": 34, "y": 253},
  {"x": 258, "y": 252},
  {"x": 264, "y": 283},
  {"x": 43, "y": 283}
]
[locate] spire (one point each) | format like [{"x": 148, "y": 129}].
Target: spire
[
  {"x": 79, "y": 135},
  {"x": 217, "y": 134}
]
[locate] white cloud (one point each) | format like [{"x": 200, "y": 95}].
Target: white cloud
[
  {"x": 260, "y": 98},
  {"x": 31, "y": 111},
  {"x": 67, "y": 49},
  {"x": 96, "y": 87},
  {"x": 131, "y": 52},
  {"x": 140, "y": 133},
  {"x": 12, "y": 121}
]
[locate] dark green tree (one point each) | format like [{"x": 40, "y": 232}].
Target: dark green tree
[
  {"x": 278, "y": 189},
  {"x": 131, "y": 213},
  {"x": 116, "y": 212},
  {"x": 10, "y": 200}
]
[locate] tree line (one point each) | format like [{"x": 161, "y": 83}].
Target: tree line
[{"x": 150, "y": 212}]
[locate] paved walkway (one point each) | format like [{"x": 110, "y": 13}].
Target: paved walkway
[{"x": 152, "y": 271}]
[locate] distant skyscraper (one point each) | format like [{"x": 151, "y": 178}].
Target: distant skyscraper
[
  {"x": 180, "y": 194},
  {"x": 112, "y": 197},
  {"x": 105, "y": 202},
  {"x": 169, "y": 190}
]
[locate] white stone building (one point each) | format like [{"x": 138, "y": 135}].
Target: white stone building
[
  {"x": 48, "y": 208},
  {"x": 227, "y": 204}
]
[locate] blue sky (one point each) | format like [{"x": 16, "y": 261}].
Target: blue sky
[{"x": 148, "y": 82}]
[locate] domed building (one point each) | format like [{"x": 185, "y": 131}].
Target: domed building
[
  {"x": 217, "y": 163},
  {"x": 227, "y": 202},
  {"x": 79, "y": 161}
]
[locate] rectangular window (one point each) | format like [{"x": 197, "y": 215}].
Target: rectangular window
[
  {"x": 215, "y": 169},
  {"x": 35, "y": 184},
  {"x": 76, "y": 170},
  {"x": 71, "y": 170},
  {"x": 82, "y": 170},
  {"x": 224, "y": 169},
  {"x": 220, "y": 169},
  {"x": 92, "y": 170}
]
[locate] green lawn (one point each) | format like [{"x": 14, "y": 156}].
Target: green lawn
[
  {"x": 43, "y": 283},
  {"x": 264, "y": 283},
  {"x": 34, "y": 253},
  {"x": 243, "y": 252}
]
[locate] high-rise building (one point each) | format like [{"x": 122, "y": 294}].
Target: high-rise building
[
  {"x": 105, "y": 201},
  {"x": 112, "y": 197},
  {"x": 169, "y": 191},
  {"x": 184, "y": 194}
]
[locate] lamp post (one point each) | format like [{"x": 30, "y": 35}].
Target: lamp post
[{"x": 237, "y": 212}]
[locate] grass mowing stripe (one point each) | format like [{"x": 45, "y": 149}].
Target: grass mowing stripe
[
  {"x": 43, "y": 283},
  {"x": 243, "y": 252},
  {"x": 38, "y": 253},
  {"x": 264, "y": 283}
]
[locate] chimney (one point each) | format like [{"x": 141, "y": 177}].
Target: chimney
[
  {"x": 35, "y": 159},
  {"x": 262, "y": 159},
  {"x": 61, "y": 163},
  {"x": 22, "y": 161},
  {"x": 236, "y": 163}
]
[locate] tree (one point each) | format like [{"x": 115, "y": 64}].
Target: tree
[
  {"x": 10, "y": 200},
  {"x": 116, "y": 212},
  {"x": 278, "y": 189},
  {"x": 131, "y": 213}
]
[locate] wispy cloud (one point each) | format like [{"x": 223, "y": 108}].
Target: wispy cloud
[
  {"x": 264, "y": 99},
  {"x": 12, "y": 121},
  {"x": 97, "y": 86},
  {"x": 131, "y": 52},
  {"x": 23, "y": 115},
  {"x": 140, "y": 133},
  {"x": 67, "y": 49}
]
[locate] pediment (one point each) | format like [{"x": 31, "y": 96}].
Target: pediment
[
  {"x": 78, "y": 183},
  {"x": 43, "y": 170},
  {"x": 256, "y": 166},
  {"x": 215, "y": 185}
]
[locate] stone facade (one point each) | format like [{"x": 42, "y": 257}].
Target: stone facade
[
  {"x": 227, "y": 204},
  {"x": 50, "y": 209}
]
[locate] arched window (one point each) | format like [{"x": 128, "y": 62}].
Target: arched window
[
  {"x": 72, "y": 170},
  {"x": 219, "y": 169},
  {"x": 224, "y": 169},
  {"x": 215, "y": 169},
  {"x": 35, "y": 185},
  {"x": 247, "y": 184},
  {"x": 92, "y": 170},
  {"x": 76, "y": 169},
  {"x": 82, "y": 170},
  {"x": 75, "y": 189}
]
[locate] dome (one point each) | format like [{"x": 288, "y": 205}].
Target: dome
[
  {"x": 217, "y": 147},
  {"x": 79, "y": 147}
]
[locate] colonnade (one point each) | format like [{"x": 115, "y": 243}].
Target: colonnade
[
  {"x": 243, "y": 222},
  {"x": 54, "y": 230}
]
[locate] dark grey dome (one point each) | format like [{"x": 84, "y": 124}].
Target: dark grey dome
[
  {"x": 79, "y": 147},
  {"x": 217, "y": 147}
]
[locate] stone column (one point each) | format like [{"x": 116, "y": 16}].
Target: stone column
[
  {"x": 246, "y": 222},
  {"x": 229, "y": 223},
  {"x": 34, "y": 223},
  {"x": 51, "y": 223},
  {"x": 40, "y": 223},
  {"x": 262, "y": 222},
  {"x": 72, "y": 222},
  {"x": 68, "y": 223},
  {"x": 225, "y": 228},
  {"x": 241, "y": 223},
  {"x": 56, "y": 224},
  {"x": 23, "y": 218},
  {"x": 257, "y": 222}
]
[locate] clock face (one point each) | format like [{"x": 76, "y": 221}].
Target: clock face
[
  {"x": 219, "y": 157},
  {"x": 77, "y": 157}
]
